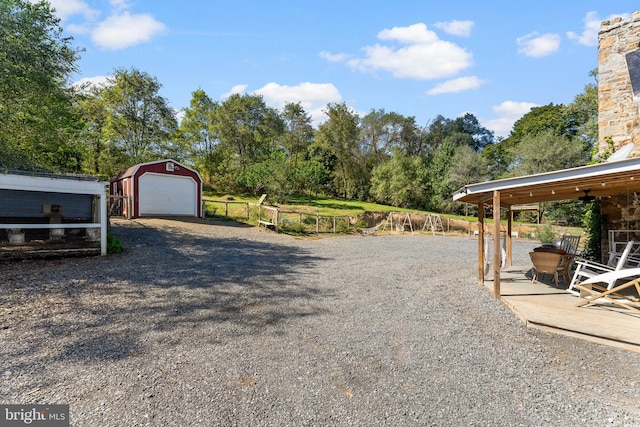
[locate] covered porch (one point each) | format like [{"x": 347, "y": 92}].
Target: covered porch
[
  {"x": 541, "y": 304},
  {"x": 602, "y": 180}
]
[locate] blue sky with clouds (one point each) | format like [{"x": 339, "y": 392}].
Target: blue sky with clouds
[{"x": 421, "y": 58}]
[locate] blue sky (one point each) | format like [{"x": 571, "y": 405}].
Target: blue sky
[{"x": 421, "y": 58}]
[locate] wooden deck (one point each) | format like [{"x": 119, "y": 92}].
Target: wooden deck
[{"x": 543, "y": 306}]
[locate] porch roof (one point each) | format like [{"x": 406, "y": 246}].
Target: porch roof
[{"x": 602, "y": 179}]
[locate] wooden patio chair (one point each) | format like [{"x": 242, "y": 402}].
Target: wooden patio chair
[
  {"x": 586, "y": 270},
  {"x": 593, "y": 293},
  {"x": 569, "y": 244},
  {"x": 546, "y": 263}
]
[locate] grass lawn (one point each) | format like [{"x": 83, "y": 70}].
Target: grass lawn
[
  {"x": 326, "y": 206},
  {"x": 314, "y": 205}
]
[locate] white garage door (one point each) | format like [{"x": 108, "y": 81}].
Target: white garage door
[{"x": 160, "y": 194}]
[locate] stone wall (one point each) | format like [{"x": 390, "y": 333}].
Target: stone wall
[
  {"x": 618, "y": 115},
  {"x": 618, "y": 111}
]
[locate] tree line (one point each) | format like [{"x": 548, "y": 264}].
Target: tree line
[{"x": 240, "y": 144}]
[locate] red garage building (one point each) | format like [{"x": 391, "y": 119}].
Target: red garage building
[{"x": 163, "y": 187}]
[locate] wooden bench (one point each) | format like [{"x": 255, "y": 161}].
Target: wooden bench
[{"x": 266, "y": 224}]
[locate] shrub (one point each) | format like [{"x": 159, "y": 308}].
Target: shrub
[
  {"x": 546, "y": 234},
  {"x": 113, "y": 244}
]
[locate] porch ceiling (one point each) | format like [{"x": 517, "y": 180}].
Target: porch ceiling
[{"x": 603, "y": 180}]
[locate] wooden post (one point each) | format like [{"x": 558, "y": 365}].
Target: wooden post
[
  {"x": 247, "y": 210},
  {"x": 317, "y": 224},
  {"x": 497, "y": 256},
  {"x": 334, "y": 224},
  {"x": 509, "y": 237},
  {"x": 481, "y": 238},
  {"x": 226, "y": 208}
]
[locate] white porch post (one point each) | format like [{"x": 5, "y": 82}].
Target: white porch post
[{"x": 103, "y": 223}]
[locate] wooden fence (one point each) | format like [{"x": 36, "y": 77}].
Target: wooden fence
[
  {"x": 271, "y": 216},
  {"x": 120, "y": 206}
]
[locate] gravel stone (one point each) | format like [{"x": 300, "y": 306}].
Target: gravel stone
[{"x": 201, "y": 324}]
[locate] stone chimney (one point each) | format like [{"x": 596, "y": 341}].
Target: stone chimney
[{"x": 618, "y": 79}]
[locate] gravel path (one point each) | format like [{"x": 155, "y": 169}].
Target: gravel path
[{"x": 201, "y": 325}]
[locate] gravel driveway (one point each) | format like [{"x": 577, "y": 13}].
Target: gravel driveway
[{"x": 201, "y": 325}]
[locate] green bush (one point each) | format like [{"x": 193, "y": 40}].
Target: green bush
[
  {"x": 343, "y": 227},
  {"x": 546, "y": 234},
  {"x": 113, "y": 244},
  {"x": 592, "y": 223},
  {"x": 361, "y": 223}
]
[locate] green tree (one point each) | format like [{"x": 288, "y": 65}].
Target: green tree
[
  {"x": 479, "y": 136},
  {"x": 100, "y": 158},
  {"x": 546, "y": 151},
  {"x": 37, "y": 124},
  {"x": 412, "y": 140},
  {"x": 380, "y": 132},
  {"x": 584, "y": 110},
  {"x": 397, "y": 181},
  {"x": 248, "y": 132},
  {"x": 339, "y": 134},
  {"x": 309, "y": 177},
  {"x": 298, "y": 132},
  {"x": 198, "y": 131},
  {"x": 139, "y": 120},
  {"x": 552, "y": 118}
]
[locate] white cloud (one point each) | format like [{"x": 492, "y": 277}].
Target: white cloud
[
  {"x": 456, "y": 85},
  {"x": 537, "y": 46},
  {"x": 86, "y": 83},
  {"x": 457, "y": 28},
  {"x": 119, "y": 5},
  {"x": 331, "y": 57},
  {"x": 413, "y": 34},
  {"x": 68, "y": 8},
  {"x": 425, "y": 56},
  {"x": 589, "y": 35},
  {"x": 508, "y": 113},
  {"x": 313, "y": 97},
  {"x": 120, "y": 30},
  {"x": 95, "y": 81},
  {"x": 237, "y": 89},
  {"x": 126, "y": 30}
]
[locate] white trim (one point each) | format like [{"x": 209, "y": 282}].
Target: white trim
[
  {"x": 51, "y": 185},
  {"x": 139, "y": 165},
  {"x": 48, "y": 225}
]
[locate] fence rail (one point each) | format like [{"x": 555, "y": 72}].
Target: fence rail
[
  {"x": 280, "y": 219},
  {"x": 303, "y": 222}
]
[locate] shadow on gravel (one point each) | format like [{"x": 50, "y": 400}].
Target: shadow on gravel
[{"x": 167, "y": 289}]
